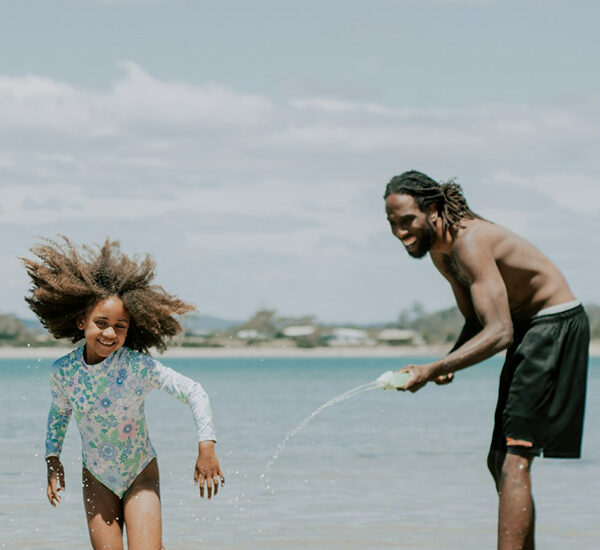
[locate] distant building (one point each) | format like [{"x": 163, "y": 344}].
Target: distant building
[
  {"x": 347, "y": 337},
  {"x": 399, "y": 337},
  {"x": 250, "y": 334},
  {"x": 300, "y": 331}
]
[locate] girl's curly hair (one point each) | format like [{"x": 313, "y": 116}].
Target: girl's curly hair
[{"x": 67, "y": 283}]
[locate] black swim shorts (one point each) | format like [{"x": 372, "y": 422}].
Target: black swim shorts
[{"x": 541, "y": 399}]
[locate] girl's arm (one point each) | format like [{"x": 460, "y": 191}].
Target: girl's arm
[
  {"x": 58, "y": 421},
  {"x": 207, "y": 471},
  {"x": 187, "y": 391}
]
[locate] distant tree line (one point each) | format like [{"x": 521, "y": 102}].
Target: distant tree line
[
  {"x": 14, "y": 333},
  {"x": 444, "y": 326},
  {"x": 440, "y": 327}
]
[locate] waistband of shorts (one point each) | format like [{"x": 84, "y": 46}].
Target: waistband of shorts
[
  {"x": 559, "y": 316},
  {"x": 557, "y": 308}
]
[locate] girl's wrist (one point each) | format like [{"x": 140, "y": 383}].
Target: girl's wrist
[{"x": 208, "y": 445}]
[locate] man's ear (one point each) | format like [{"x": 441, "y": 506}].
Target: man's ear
[{"x": 433, "y": 213}]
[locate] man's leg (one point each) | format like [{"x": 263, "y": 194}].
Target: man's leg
[{"x": 516, "y": 512}]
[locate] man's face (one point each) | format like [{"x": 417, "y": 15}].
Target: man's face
[{"x": 410, "y": 225}]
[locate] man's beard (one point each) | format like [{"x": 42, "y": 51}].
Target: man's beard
[{"x": 424, "y": 241}]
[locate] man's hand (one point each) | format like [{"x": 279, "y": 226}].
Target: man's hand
[
  {"x": 444, "y": 379},
  {"x": 56, "y": 479},
  {"x": 207, "y": 471},
  {"x": 419, "y": 376}
]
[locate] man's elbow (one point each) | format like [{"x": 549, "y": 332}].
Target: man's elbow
[{"x": 504, "y": 337}]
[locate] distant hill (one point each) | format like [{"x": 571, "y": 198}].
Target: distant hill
[
  {"x": 444, "y": 326},
  {"x": 593, "y": 311},
  {"x": 191, "y": 323},
  {"x": 196, "y": 323},
  {"x": 441, "y": 327},
  {"x": 12, "y": 331},
  {"x": 33, "y": 325}
]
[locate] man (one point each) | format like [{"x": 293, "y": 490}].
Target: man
[{"x": 512, "y": 297}]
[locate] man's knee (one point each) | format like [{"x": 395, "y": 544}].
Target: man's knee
[
  {"x": 516, "y": 468},
  {"x": 495, "y": 459}
]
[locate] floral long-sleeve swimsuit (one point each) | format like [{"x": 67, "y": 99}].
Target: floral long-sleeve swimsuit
[{"x": 107, "y": 400}]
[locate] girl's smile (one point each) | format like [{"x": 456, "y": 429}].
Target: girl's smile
[{"x": 105, "y": 329}]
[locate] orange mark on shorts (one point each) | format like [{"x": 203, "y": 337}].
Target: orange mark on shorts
[{"x": 518, "y": 442}]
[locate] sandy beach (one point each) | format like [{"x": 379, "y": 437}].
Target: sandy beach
[{"x": 263, "y": 351}]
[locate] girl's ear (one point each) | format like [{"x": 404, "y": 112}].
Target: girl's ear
[{"x": 80, "y": 323}]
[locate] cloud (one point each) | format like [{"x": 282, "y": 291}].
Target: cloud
[
  {"x": 491, "y": 130},
  {"x": 331, "y": 105},
  {"x": 574, "y": 191},
  {"x": 142, "y": 98},
  {"x": 137, "y": 98},
  {"x": 364, "y": 137},
  {"x": 224, "y": 186}
]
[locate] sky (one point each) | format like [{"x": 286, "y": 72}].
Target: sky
[{"x": 246, "y": 145}]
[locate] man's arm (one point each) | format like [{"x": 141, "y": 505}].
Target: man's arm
[
  {"x": 472, "y": 325},
  {"x": 489, "y": 303},
  {"x": 462, "y": 296}
]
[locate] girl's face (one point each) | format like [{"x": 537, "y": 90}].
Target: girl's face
[{"x": 105, "y": 329}]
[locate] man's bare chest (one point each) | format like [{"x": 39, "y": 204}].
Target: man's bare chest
[{"x": 453, "y": 269}]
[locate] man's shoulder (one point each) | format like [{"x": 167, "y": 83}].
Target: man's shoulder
[
  {"x": 476, "y": 230},
  {"x": 478, "y": 236}
]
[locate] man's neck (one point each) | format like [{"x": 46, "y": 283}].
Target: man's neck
[{"x": 444, "y": 240}]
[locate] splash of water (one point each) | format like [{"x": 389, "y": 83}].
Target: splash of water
[{"x": 347, "y": 395}]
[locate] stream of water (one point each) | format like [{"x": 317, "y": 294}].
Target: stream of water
[{"x": 347, "y": 395}]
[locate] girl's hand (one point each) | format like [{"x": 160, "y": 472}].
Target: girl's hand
[
  {"x": 56, "y": 479},
  {"x": 207, "y": 469}
]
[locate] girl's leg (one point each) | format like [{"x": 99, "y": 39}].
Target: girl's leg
[
  {"x": 141, "y": 508},
  {"x": 104, "y": 514}
]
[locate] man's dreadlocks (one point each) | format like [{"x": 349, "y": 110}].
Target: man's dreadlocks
[{"x": 448, "y": 197}]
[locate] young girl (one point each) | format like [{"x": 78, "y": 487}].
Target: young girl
[{"x": 107, "y": 299}]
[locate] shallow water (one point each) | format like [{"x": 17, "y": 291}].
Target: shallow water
[
  {"x": 379, "y": 470},
  {"x": 369, "y": 386}
]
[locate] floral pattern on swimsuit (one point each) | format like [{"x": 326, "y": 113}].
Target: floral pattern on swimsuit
[{"x": 107, "y": 400}]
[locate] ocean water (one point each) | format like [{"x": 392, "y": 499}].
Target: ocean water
[{"x": 380, "y": 470}]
